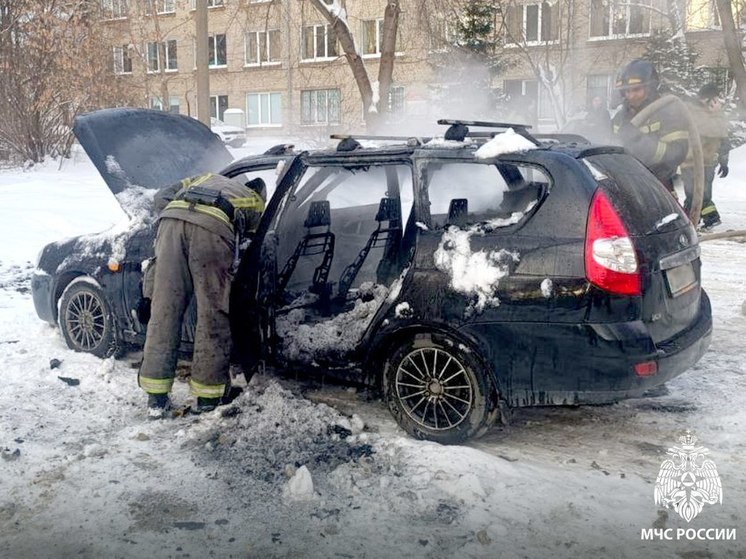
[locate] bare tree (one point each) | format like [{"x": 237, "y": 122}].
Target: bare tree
[
  {"x": 732, "y": 39},
  {"x": 335, "y": 14},
  {"x": 52, "y": 59},
  {"x": 149, "y": 31},
  {"x": 550, "y": 60}
]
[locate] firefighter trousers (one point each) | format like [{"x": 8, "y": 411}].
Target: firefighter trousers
[{"x": 191, "y": 261}]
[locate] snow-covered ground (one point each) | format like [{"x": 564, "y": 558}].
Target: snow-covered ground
[{"x": 299, "y": 469}]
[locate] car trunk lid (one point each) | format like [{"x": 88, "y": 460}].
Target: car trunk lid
[{"x": 664, "y": 239}]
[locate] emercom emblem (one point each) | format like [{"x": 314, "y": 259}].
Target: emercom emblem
[{"x": 688, "y": 481}]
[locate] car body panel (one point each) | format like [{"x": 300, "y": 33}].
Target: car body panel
[
  {"x": 113, "y": 139},
  {"x": 148, "y": 148},
  {"x": 530, "y": 337},
  {"x": 544, "y": 333}
]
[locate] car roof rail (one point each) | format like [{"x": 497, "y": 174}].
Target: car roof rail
[
  {"x": 413, "y": 141},
  {"x": 280, "y": 149},
  {"x": 563, "y": 137},
  {"x": 459, "y": 129}
]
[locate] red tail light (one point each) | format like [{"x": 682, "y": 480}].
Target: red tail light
[
  {"x": 610, "y": 257},
  {"x": 646, "y": 369}
]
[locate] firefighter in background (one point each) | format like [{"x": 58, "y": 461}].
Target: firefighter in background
[
  {"x": 201, "y": 224},
  {"x": 713, "y": 132},
  {"x": 661, "y": 143}
]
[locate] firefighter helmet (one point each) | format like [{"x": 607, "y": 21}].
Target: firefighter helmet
[{"x": 636, "y": 73}]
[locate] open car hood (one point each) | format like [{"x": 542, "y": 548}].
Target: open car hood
[{"x": 148, "y": 148}]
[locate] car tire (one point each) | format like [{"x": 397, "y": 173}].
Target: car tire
[
  {"x": 86, "y": 320},
  {"x": 438, "y": 390}
]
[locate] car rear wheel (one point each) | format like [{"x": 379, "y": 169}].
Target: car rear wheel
[
  {"x": 86, "y": 320},
  {"x": 437, "y": 389}
]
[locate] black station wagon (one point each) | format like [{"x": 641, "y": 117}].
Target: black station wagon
[{"x": 463, "y": 276}]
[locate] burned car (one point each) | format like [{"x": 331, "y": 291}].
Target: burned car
[{"x": 463, "y": 276}]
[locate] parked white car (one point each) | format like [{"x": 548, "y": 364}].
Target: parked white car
[{"x": 231, "y": 135}]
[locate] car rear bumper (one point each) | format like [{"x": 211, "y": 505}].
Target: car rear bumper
[
  {"x": 42, "y": 286},
  {"x": 672, "y": 357},
  {"x": 596, "y": 365}
]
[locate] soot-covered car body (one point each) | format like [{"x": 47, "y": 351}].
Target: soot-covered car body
[
  {"x": 458, "y": 276},
  {"x": 91, "y": 285}
]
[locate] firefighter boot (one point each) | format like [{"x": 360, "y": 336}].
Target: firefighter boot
[
  {"x": 158, "y": 405},
  {"x": 207, "y": 404}
]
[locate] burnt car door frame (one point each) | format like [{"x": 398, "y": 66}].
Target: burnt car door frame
[
  {"x": 254, "y": 300},
  {"x": 252, "y": 304}
]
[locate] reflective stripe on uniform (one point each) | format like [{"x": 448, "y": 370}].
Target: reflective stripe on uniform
[
  {"x": 674, "y": 136},
  {"x": 252, "y": 203},
  {"x": 202, "y": 208},
  {"x": 660, "y": 152},
  {"x": 650, "y": 128},
  {"x": 195, "y": 181},
  {"x": 206, "y": 390},
  {"x": 708, "y": 209},
  {"x": 155, "y": 385}
]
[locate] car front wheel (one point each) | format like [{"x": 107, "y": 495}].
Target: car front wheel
[
  {"x": 437, "y": 389},
  {"x": 86, "y": 320}
]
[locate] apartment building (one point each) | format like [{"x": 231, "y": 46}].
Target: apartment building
[{"x": 279, "y": 62}]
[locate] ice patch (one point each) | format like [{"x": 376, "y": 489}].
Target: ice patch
[
  {"x": 668, "y": 219},
  {"x": 300, "y": 486},
  {"x": 475, "y": 274},
  {"x": 547, "y": 287},
  {"x": 403, "y": 310},
  {"x": 306, "y": 342},
  {"x": 507, "y": 142},
  {"x": 443, "y": 143}
]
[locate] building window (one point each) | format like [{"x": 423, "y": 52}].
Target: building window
[
  {"x": 153, "y": 58},
  {"x": 442, "y": 33},
  {"x": 160, "y": 6},
  {"x": 263, "y": 47},
  {"x": 396, "y": 99},
  {"x": 319, "y": 41},
  {"x": 157, "y": 103},
  {"x": 122, "y": 60},
  {"x": 320, "y": 106},
  {"x": 210, "y": 4},
  {"x": 264, "y": 109},
  {"x": 598, "y": 85},
  {"x": 218, "y": 106},
  {"x": 609, "y": 19},
  {"x": 171, "y": 60},
  {"x": 532, "y": 23},
  {"x": 217, "y": 56},
  {"x": 114, "y": 9},
  {"x": 524, "y": 100},
  {"x": 372, "y": 36},
  {"x": 162, "y": 56}
]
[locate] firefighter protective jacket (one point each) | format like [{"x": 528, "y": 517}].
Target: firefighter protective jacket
[
  {"x": 713, "y": 133},
  {"x": 660, "y": 143},
  {"x": 244, "y": 200}
]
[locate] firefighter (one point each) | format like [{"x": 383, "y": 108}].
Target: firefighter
[
  {"x": 662, "y": 141},
  {"x": 201, "y": 223},
  {"x": 713, "y": 132}
]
